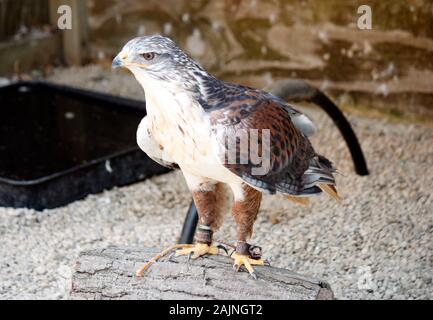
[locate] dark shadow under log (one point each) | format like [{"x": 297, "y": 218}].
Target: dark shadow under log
[{"x": 110, "y": 274}]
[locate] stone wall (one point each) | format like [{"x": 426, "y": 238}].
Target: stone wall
[{"x": 256, "y": 42}]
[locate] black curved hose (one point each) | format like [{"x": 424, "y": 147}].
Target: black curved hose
[
  {"x": 189, "y": 225},
  {"x": 346, "y": 131}
]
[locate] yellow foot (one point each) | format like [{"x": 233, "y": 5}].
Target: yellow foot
[
  {"x": 247, "y": 262},
  {"x": 197, "y": 250}
]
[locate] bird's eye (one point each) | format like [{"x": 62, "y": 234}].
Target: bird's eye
[{"x": 148, "y": 55}]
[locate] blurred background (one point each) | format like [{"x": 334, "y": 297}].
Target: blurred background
[{"x": 248, "y": 41}]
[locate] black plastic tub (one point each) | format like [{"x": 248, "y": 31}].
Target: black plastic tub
[{"x": 59, "y": 144}]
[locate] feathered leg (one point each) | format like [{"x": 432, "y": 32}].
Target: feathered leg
[
  {"x": 245, "y": 210},
  {"x": 210, "y": 200},
  {"x": 205, "y": 200}
]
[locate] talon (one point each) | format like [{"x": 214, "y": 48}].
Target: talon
[
  {"x": 193, "y": 250},
  {"x": 223, "y": 248},
  {"x": 146, "y": 266},
  {"x": 194, "y": 255},
  {"x": 243, "y": 260},
  {"x": 197, "y": 250}
]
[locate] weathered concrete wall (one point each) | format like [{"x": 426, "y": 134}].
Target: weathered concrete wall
[
  {"x": 17, "y": 16},
  {"x": 256, "y": 42}
]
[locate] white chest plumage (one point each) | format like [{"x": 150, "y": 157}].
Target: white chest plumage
[
  {"x": 178, "y": 124},
  {"x": 182, "y": 128}
]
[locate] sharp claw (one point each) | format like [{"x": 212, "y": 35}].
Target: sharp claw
[
  {"x": 236, "y": 267},
  {"x": 192, "y": 251},
  {"x": 223, "y": 248},
  {"x": 171, "y": 255},
  {"x": 267, "y": 263},
  {"x": 254, "y": 275}
]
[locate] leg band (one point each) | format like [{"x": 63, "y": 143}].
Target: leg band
[
  {"x": 246, "y": 249},
  {"x": 204, "y": 234}
]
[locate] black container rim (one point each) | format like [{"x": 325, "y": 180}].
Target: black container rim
[
  {"x": 67, "y": 171},
  {"x": 93, "y": 95},
  {"x": 89, "y": 94}
]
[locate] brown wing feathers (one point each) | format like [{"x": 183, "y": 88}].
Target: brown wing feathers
[{"x": 295, "y": 168}]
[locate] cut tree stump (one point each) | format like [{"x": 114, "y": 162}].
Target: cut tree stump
[{"x": 110, "y": 274}]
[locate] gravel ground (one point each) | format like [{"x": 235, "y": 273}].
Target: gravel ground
[{"x": 377, "y": 244}]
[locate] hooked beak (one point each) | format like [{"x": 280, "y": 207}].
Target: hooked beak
[
  {"x": 116, "y": 63},
  {"x": 119, "y": 60}
]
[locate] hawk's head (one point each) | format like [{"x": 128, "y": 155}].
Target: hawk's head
[{"x": 157, "y": 58}]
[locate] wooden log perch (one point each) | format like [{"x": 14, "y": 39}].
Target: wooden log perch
[{"x": 110, "y": 274}]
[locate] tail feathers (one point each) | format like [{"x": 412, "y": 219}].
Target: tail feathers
[
  {"x": 320, "y": 171},
  {"x": 326, "y": 163},
  {"x": 318, "y": 178},
  {"x": 330, "y": 190},
  {"x": 299, "y": 200},
  {"x": 320, "y": 174}
]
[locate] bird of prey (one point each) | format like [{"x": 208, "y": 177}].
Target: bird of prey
[{"x": 222, "y": 135}]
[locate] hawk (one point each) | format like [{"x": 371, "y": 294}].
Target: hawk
[{"x": 222, "y": 135}]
